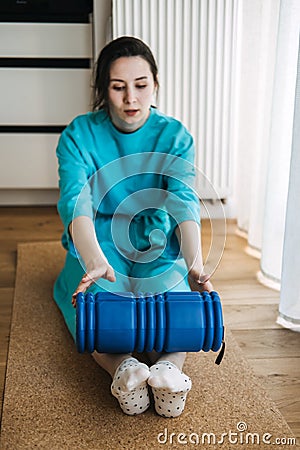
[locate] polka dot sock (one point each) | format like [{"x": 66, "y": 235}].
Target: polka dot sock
[
  {"x": 130, "y": 388},
  {"x": 170, "y": 387}
]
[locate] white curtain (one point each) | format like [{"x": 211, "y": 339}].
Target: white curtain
[
  {"x": 257, "y": 38},
  {"x": 269, "y": 42},
  {"x": 289, "y": 308},
  {"x": 280, "y": 139}
]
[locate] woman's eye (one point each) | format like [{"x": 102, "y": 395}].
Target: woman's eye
[
  {"x": 118, "y": 88},
  {"x": 141, "y": 86}
]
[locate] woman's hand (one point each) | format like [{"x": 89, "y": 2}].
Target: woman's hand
[
  {"x": 189, "y": 238},
  {"x": 199, "y": 281},
  {"x": 99, "y": 268}
]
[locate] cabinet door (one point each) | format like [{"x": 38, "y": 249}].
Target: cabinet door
[
  {"x": 28, "y": 161},
  {"x": 45, "y": 40},
  {"x": 43, "y": 96}
]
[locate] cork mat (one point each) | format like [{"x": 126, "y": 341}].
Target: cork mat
[{"x": 57, "y": 399}]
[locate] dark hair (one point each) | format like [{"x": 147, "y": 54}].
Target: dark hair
[{"x": 120, "y": 47}]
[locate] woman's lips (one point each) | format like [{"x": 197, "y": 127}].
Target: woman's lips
[{"x": 131, "y": 112}]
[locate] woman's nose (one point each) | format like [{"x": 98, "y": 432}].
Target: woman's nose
[{"x": 130, "y": 96}]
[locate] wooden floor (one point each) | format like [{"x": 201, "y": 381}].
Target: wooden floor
[{"x": 250, "y": 309}]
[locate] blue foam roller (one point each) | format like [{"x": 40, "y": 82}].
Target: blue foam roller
[
  {"x": 184, "y": 321},
  {"x": 141, "y": 324},
  {"x": 116, "y": 322},
  {"x": 218, "y": 326},
  {"x": 151, "y": 323},
  {"x": 170, "y": 322},
  {"x": 80, "y": 322},
  {"x": 160, "y": 323},
  {"x": 90, "y": 322},
  {"x": 210, "y": 320}
]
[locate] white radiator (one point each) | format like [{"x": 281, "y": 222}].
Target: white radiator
[{"x": 193, "y": 42}]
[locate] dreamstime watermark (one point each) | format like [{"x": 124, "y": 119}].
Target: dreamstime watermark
[{"x": 240, "y": 436}]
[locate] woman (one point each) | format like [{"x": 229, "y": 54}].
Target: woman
[{"x": 130, "y": 213}]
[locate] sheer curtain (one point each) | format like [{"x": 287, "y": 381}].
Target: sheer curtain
[
  {"x": 289, "y": 308},
  {"x": 268, "y": 49}
]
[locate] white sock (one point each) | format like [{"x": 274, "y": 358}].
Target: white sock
[
  {"x": 170, "y": 387},
  {"x": 130, "y": 388}
]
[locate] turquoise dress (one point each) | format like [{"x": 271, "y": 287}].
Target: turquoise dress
[{"x": 136, "y": 188}]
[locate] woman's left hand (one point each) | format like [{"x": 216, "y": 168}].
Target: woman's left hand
[{"x": 199, "y": 281}]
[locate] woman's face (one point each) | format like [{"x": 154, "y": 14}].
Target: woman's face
[{"x": 130, "y": 92}]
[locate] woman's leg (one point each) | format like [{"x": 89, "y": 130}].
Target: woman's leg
[
  {"x": 129, "y": 381},
  {"x": 110, "y": 362},
  {"x": 159, "y": 276},
  {"x": 64, "y": 287},
  {"x": 177, "y": 358},
  {"x": 129, "y": 376},
  {"x": 169, "y": 384}
]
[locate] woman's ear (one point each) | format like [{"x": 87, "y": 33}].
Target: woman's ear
[{"x": 155, "y": 94}]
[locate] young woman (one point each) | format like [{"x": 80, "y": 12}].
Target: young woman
[{"x": 130, "y": 213}]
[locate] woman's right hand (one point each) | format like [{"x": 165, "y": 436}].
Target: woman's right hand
[{"x": 95, "y": 270}]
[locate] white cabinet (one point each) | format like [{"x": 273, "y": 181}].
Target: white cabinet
[
  {"x": 29, "y": 161},
  {"x": 43, "y": 96},
  {"x": 45, "y": 40},
  {"x": 45, "y": 79}
]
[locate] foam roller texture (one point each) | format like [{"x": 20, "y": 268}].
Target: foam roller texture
[{"x": 169, "y": 322}]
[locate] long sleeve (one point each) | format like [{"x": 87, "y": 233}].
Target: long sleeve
[
  {"x": 182, "y": 202},
  {"x": 75, "y": 196}
]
